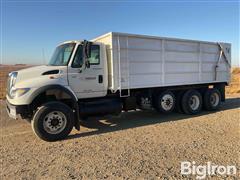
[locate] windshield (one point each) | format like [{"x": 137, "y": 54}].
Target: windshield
[{"x": 62, "y": 55}]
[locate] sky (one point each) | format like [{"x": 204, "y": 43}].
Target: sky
[{"x": 30, "y": 30}]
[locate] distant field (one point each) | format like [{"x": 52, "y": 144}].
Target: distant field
[
  {"x": 5, "y": 69},
  {"x": 235, "y": 82}
]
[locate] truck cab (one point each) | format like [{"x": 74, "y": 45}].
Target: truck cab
[
  {"x": 77, "y": 70},
  {"x": 70, "y": 67},
  {"x": 87, "y": 77}
]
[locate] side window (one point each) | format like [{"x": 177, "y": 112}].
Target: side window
[
  {"x": 78, "y": 59},
  {"x": 95, "y": 55}
]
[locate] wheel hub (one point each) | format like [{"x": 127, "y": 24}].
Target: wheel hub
[
  {"x": 194, "y": 102},
  {"x": 54, "y": 122},
  {"x": 214, "y": 99},
  {"x": 167, "y": 102}
]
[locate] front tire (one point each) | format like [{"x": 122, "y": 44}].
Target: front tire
[
  {"x": 53, "y": 121},
  {"x": 192, "y": 102}
]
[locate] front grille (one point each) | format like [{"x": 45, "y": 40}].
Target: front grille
[{"x": 8, "y": 85}]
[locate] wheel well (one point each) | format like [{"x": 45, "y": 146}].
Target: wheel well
[
  {"x": 57, "y": 93},
  {"x": 51, "y": 95}
]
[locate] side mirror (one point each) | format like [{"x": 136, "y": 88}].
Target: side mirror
[
  {"x": 87, "y": 64},
  {"x": 87, "y": 46},
  {"x": 88, "y": 49}
]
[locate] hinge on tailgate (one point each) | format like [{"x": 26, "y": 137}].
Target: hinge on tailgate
[{"x": 222, "y": 53}]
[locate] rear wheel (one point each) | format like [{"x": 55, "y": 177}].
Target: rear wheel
[
  {"x": 192, "y": 102},
  {"x": 52, "y": 121},
  {"x": 212, "y": 99},
  {"x": 165, "y": 102},
  {"x": 178, "y": 107}
]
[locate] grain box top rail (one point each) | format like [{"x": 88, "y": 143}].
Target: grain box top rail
[{"x": 154, "y": 37}]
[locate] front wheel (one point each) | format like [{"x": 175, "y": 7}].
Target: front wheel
[{"x": 53, "y": 121}]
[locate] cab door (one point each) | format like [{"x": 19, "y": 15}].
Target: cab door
[{"x": 87, "y": 82}]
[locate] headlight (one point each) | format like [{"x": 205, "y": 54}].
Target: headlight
[
  {"x": 18, "y": 92},
  {"x": 13, "y": 78}
]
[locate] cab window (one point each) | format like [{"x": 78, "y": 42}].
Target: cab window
[
  {"x": 95, "y": 55},
  {"x": 62, "y": 55},
  {"x": 94, "y": 59},
  {"x": 78, "y": 59}
]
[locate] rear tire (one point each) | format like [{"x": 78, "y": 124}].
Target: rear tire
[
  {"x": 178, "y": 107},
  {"x": 165, "y": 102},
  {"x": 212, "y": 99},
  {"x": 53, "y": 121},
  {"x": 192, "y": 102}
]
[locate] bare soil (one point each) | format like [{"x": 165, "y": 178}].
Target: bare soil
[{"x": 134, "y": 145}]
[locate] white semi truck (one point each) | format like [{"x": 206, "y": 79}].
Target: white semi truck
[{"x": 118, "y": 72}]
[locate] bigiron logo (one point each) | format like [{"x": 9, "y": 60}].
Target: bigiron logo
[{"x": 209, "y": 169}]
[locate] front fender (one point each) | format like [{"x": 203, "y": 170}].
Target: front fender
[
  {"x": 42, "y": 89},
  {"x": 68, "y": 91}
]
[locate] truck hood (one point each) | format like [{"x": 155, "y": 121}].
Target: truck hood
[
  {"x": 39, "y": 71},
  {"x": 37, "y": 74}
]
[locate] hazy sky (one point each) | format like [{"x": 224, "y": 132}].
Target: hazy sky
[{"x": 32, "y": 29}]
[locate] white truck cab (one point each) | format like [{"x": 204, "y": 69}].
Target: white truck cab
[
  {"x": 66, "y": 68},
  {"x": 116, "y": 72}
]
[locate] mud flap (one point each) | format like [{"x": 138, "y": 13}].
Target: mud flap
[{"x": 221, "y": 88}]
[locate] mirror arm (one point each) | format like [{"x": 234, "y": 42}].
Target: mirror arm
[{"x": 86, "y": 53}]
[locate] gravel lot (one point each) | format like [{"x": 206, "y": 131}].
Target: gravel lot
[{"x": 136, "y": 145}]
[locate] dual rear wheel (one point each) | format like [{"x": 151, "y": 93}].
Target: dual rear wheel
[
  {"x": 165, "y": 102},
  {"x": 189, "y": 102},
  {"x": 212, "y": 99}
]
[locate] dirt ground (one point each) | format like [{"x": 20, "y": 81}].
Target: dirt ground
[{"x": 144, "y": 145}]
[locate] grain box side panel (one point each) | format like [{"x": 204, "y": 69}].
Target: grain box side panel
[
  {"x": 156, "y": 62},
  {"x": 181, "y": 62},
  {"x": 140, "y": 61}
]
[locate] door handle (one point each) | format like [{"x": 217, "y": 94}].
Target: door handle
[{"x": 100, "y": 78}]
